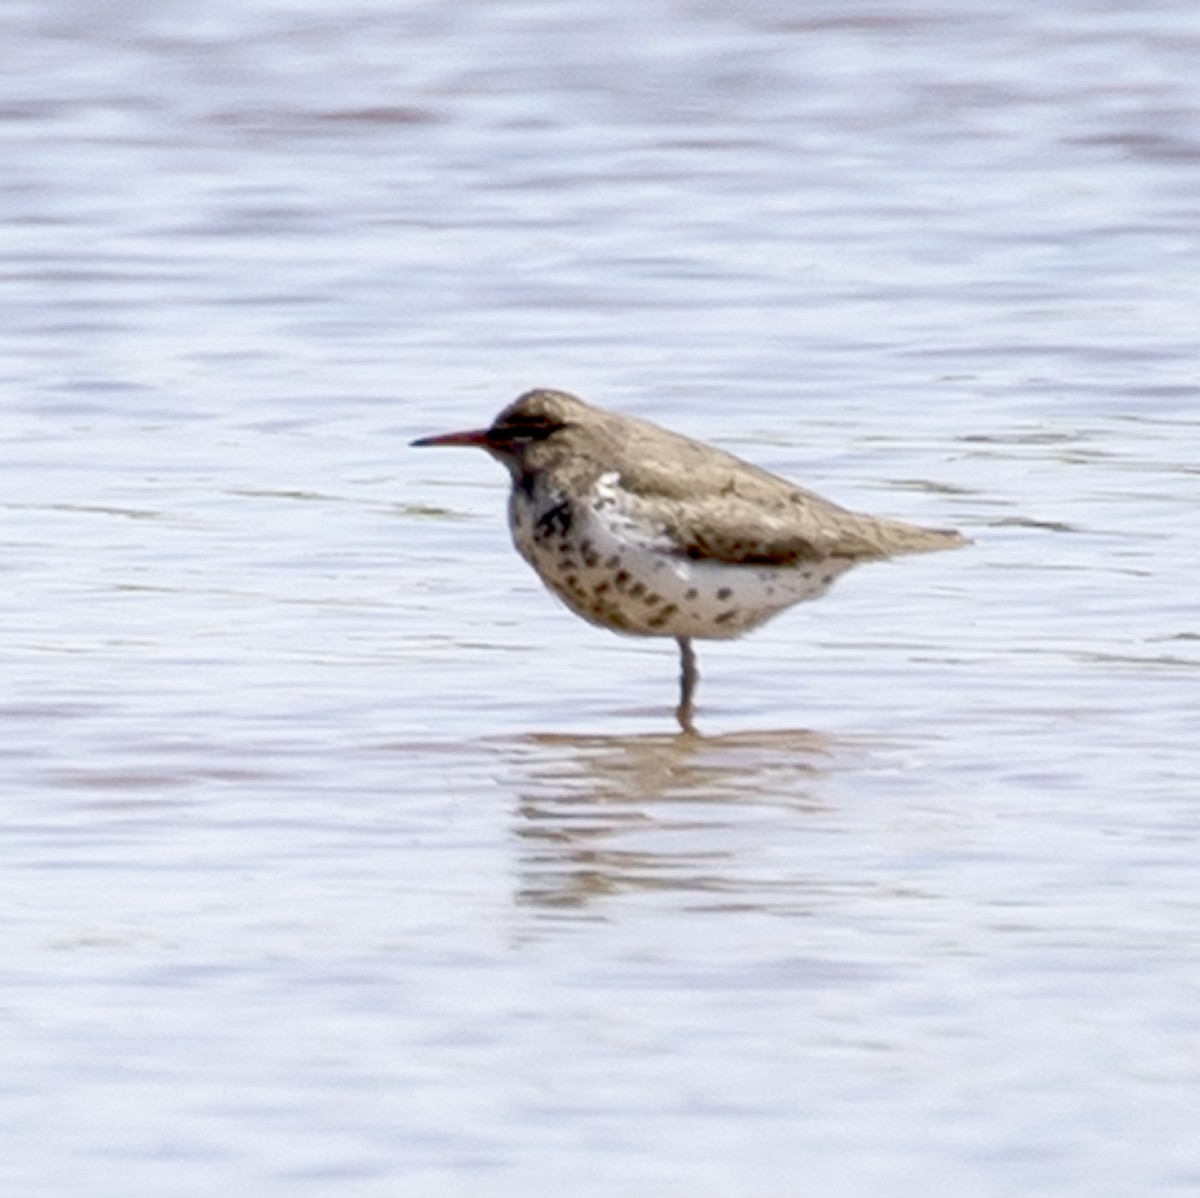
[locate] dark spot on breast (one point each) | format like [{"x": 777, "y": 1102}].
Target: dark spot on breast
[
  {"x": 590, "y": 560},
  {"x": 556, "y": 521},
  {"x": 692, "y": 593},
  {"x": 586, "y": 546},
  {"x": 600, "y": 588},
  {"x": 826, "y": 579},
  {"x": 656, "y": 621},
  {"x": 637, "y": 590},
  {"x": 653, "y": 600},
  {"x": 724, "y": 593},
  {"x": 613, "y": 562},
  {"x": 668, "y": 611},
  {"x": 725, "y": 616},
  {"x": 622, "y": 579}
]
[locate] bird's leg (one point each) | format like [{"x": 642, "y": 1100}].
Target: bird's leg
[{"x": 688, "y": 677}]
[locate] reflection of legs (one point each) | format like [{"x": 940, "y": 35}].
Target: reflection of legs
[{"x": 688, "y": 677}]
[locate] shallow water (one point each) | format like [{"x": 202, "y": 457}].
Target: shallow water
[{"x": 337, "y": 857}]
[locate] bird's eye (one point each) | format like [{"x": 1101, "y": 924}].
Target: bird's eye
[{"x": 525, "y": 430}]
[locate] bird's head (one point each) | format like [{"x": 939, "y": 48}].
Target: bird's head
[{"x": 517, "y": 436}]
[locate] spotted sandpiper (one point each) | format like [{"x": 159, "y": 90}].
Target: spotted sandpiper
[{"x": 650, "y": 533}]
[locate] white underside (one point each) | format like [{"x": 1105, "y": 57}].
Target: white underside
[{"x": 616, "y": 570}]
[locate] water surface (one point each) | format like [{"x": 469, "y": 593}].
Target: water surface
[{"x": 337, "y": 858}]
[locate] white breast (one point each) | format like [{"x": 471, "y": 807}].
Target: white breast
[{"x": 611, "y": 564}]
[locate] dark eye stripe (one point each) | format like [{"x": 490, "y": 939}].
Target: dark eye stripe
[{"x": 535, "y": 429}]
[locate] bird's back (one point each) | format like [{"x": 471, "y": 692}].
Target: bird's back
[{"x": 715, "y": 505}]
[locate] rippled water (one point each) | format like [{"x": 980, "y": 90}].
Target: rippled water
[{"x": 338, "y": 859}]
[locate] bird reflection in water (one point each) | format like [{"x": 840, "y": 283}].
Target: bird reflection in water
[{"x": 599, "y": 816}]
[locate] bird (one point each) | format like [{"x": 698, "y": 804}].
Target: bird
[{"x": 648, "y": 532}]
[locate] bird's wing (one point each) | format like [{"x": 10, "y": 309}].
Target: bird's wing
[
  {"x": 740, "y": 532},
  {"x": 744, "y": 516},
  {"x": 711, "y": 504}
]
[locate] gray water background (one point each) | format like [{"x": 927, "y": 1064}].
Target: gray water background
[{"x": 336, "y": 859}]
